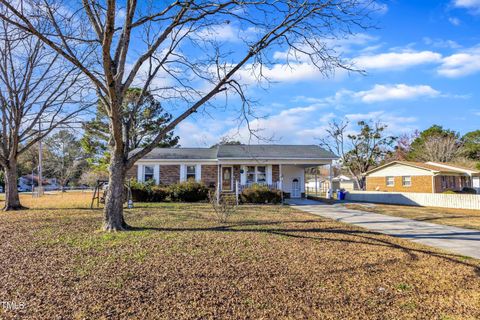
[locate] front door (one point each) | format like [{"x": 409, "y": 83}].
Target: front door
[
  {"x": 296, "y": 191},
  {"x": 227, "y": 178}
]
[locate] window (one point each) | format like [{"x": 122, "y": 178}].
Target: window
[
  {"x": 147, "y": 173},
  {"x": 261, "y": 174},
  {"x": 191, "y": 173},
  {"x": 251, "y": 174},
  {"x": 407, "y": 181},
  {"x": 256, "y": 174},
  {"x": 390, "y": 181}
]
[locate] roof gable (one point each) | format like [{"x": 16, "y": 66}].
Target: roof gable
[{"x": 429, "y": 166}]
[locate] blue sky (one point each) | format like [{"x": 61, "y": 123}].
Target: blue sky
[{"x": 423, "y": 68}]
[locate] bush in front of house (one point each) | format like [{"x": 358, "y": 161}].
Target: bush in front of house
[
  {"x": 148, "y": 192},
  {"x": 449, "y": 191},
  {"x": 188, "y": 191},
  {"x": 468, "y": 190},
  {"x": 260, "y": 194}
]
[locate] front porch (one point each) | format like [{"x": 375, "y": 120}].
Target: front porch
[{"x": 289, "y": 178}]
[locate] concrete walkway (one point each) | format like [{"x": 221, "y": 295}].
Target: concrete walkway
[{"x": 460, "y": 241}]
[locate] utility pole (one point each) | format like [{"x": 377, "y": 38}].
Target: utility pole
[{"x": 40, "y": 184}]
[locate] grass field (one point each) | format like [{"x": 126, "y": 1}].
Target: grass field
[
  {"x": 462, "y": 218},
  {"x": 179, "y": 263}
]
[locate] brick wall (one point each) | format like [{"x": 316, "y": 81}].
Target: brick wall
[
  {"x": 419, "y": 184},
  {"x": 209, "y": 175},
  {"x": 132, "y": 173},
  {"x": 169, "y": 174},
  {"x": 275, "y": 173}
]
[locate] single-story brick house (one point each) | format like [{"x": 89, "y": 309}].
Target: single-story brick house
[
  {"x": 428, "y": 177},
  {"x": 231, "y": 167}
]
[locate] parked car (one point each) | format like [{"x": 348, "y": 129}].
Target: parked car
[{"x": 23, "y": 189}]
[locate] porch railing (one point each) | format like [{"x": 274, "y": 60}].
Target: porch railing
[{"x": 272, "y": 186}]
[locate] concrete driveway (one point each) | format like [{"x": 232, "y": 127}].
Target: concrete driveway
[{"x": 460, "y": 241}]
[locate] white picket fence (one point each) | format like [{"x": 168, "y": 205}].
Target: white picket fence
[{"x": 458, "y": 201}]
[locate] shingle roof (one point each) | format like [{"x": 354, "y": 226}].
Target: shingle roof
[
  {"x": 462, "y": 166},
  {"x": 274, "y": 152},
  {"x": 421, "y": 165},
  {"x": 430, "y": 167},
  {"x": 242, "y": 152},
  {"x": 182, "y": 153}
]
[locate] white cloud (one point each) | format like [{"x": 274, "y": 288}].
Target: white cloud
[
  {"x": 397, "y": 60},
  {"x": 461, "y": 64},
  {"x": 395, "y": 92},
  {"x": 395, "y": 124},
  {"x": 341, "y": 45},
  {"x": 380, "y": 8},
  {"x": 222, "y": 33},
  {"x": 455, "y": 21},
  {"x": 286, "y": 73},
  {"x": 298, "y": 125},
  {"x": 472, "y": 5},
  {"x": 441, "y": 43}
]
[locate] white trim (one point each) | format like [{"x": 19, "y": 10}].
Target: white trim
[
  {"x": 198, "y": 172},
  {"x": 156, "y": 173},
  {"x": 233, "y": 162},
  {"x": 140, "y": 173},
  {"x": 243, "y": 175},
  {"x": 183, "y": 173},
  {"x": 174, "y": 162},
  {"x": 313, "y": 162},
  {"x": 269, "y": 174},
  {"x": 272, "y": 158}
]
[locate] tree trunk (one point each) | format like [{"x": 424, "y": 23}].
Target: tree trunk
[
  {"x": 12, "y": 200},
  {"x": 114, "y": 199}
]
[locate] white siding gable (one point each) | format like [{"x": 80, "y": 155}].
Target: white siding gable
[{"x": 397, "y": 170}]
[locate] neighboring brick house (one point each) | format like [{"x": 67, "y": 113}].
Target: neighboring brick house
[
  {"x": 227, "y": 166},
  {"x": 428, "y": 177}
]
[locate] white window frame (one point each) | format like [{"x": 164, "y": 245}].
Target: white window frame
[
  {"x": 145, "y": 172},
  {"x": 190, "y": 173},
  {"x": 409, "y": 181},
  {"x": 387, "y": 181},
  {"x": 256, "y": 173},
  {"x": 184, "y": 171}
]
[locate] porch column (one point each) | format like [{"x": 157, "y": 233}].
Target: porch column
[
  {"x": 330, "y": 179},
  {"x": 280, "y": 177},
  {"x": 218, "y": 183}
]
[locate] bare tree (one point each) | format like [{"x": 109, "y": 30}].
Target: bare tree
[
  {"x": 440, "y": 148},
  {"x": 168, "y": 49},
  {"x": 36, "y": 90},
  {"x": 361, "y": 151}
]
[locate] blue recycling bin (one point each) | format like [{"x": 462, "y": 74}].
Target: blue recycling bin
[{"x": 340, "y": 195}]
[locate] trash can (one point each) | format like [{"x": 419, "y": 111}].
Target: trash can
[{"x": 340, "y": 195}]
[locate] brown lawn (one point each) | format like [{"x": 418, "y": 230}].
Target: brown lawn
[
  {"x": 268, "y": 262},
  {"x": 462, "y": 218}
]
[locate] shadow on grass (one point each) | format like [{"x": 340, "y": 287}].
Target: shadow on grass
[{"x": 363, "y": 237}]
